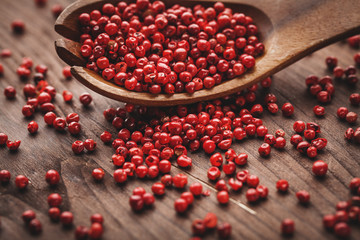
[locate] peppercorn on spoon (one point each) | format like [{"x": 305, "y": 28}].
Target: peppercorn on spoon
[{"x": 289, "y": 29}]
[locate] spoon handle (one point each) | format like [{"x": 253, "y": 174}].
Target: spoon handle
[{"x": 301, "y": 27}]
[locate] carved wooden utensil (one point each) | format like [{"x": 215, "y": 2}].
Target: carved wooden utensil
[{"x": 290, "y": 30}]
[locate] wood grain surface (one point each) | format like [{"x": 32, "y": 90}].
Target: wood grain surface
[{"x": 83, "y": 196}]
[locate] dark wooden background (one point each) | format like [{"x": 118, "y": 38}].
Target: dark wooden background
[{"x": 83, "y": 196}]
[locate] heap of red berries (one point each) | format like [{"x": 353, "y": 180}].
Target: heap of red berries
[{"x": 146, "y": 47}]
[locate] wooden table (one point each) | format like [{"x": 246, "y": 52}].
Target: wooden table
[{"x": 83, "y": 196}]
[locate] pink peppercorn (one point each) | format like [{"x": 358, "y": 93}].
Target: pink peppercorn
[
  {"x": 33, "y": 127},
  {"x": 287, "y": 109},
  {"x": 287, "y": 227},
  {"x": 303, "y": 196},
  {"x": 85, "y": 99},
  {"x": 252, "y": 195},
  {"x": 18, "y": 26},
  {"x": 66, "y": 218},
  {"x": 282, "y": 185},
  {"x": 98, "y": 174},
  {"x": 320, "y": 168},
  {"x": 52, "y": 177},
  {"x": 10, "y": 92}
]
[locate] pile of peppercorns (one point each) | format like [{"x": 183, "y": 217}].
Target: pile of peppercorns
[{"x": 145, "y": 47}]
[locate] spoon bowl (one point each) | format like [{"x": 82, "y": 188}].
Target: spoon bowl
[{"x": 289, "y": 29}]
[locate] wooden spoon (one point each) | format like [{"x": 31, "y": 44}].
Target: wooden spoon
[{"x": 290, "y": 30}]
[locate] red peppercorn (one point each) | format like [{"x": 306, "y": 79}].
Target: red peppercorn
[
  {"x": 354, "y": 184},
  {"x": 49, "y": 118},
  {"x": 213, "y": 173},
  {"x": 198, "y": 227},
  {"x": 209, "y": 146},
  {"x": 264, "y": 150},
  {"x": 319, "y": 111},
  {"x": 216, "y": 160},
  {"x": 98, "y": 174},
  {"x": 10, "y": 92},
  {"x": 85, "y": 99},
  {"x": 149, "y": 199},
  {"x": 351, "y": 117},
  {"x": 287, "y": 109},
  {"x": 21, "y": 181},
  {"x": 224, "y": 230},
  {"x": 28, "y": 215},
  {"x": 354, "y": 41},
  {"x": 295, "y": 139},
  {"x": 302, "y": 146},
  {"x": 74, "y": 128},
  {"x": 299, "y": 126},
  {"x": 188, "y": 196},
  {"x": 210, "y": 220},
  {"x": 235, "y": 184},
  {"x": 120, "y": 175},
  {"x": 5, "y": 53},
  {"x": 223, "y": 197},
  {"x": 252, "y": 195},
  {"x": 90, "y": 145},
  {"x": 52, "y": 177},
  {"x": 180, "y": 180},
  {"x": 35, "y": 226},
  {"x": 97, "y": 218},
  {"x": 241, "y": 159},
  {"x": 287, "y": 227},
  {"x": 252, "y": 181},
  {"x": 329, "y": 221},
  {"x": 184, "y": 161},
  {"x": 3, "y": 139},
  {"x": 280, "y": 143},
  {"x": 221, "y": 185},
  {"x": 320, "y": 168},
  {"x": 342, "y": 230},
  {"x": 303, "y": 196},
  {"x": 67, "y": 96},
  {"x": 242, "y": 175},
  {"x": 72, "y": 117},
  {"x": 56, "y": 9},
  {"x": 196, "y": 189},
  {"x": 66, "y": 218},
  {"x": 59, "y": 124},
  {"x": 355, "y": 99},
  {"x": 229, "y": 168},
  {"x": 311, "y": 152},
  {"x": 54, "y": 200},
  {"x": 96, "y": 231},
  {"x": 81, "y": 233},
  {"x": 106, "y": 137},
  {"x": 54, "y": 214},
  {"x": 67, "y": 72},
  {"x": 158, "y": 189},
  {"x": 77, "y": 147},
  {"x": 309, "y": 134},
  {"x": 136, "y": 202},
  {"x": 180, "y": 205},
  {"x": 33, "y": 127},
  {"x": 331, "y": 62},
  {"x": 262, "y": 191},
  {"x": 5, "y": 176},
  {"x": 18, "y": 26},
  {"x": 282, "y": 185}
]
